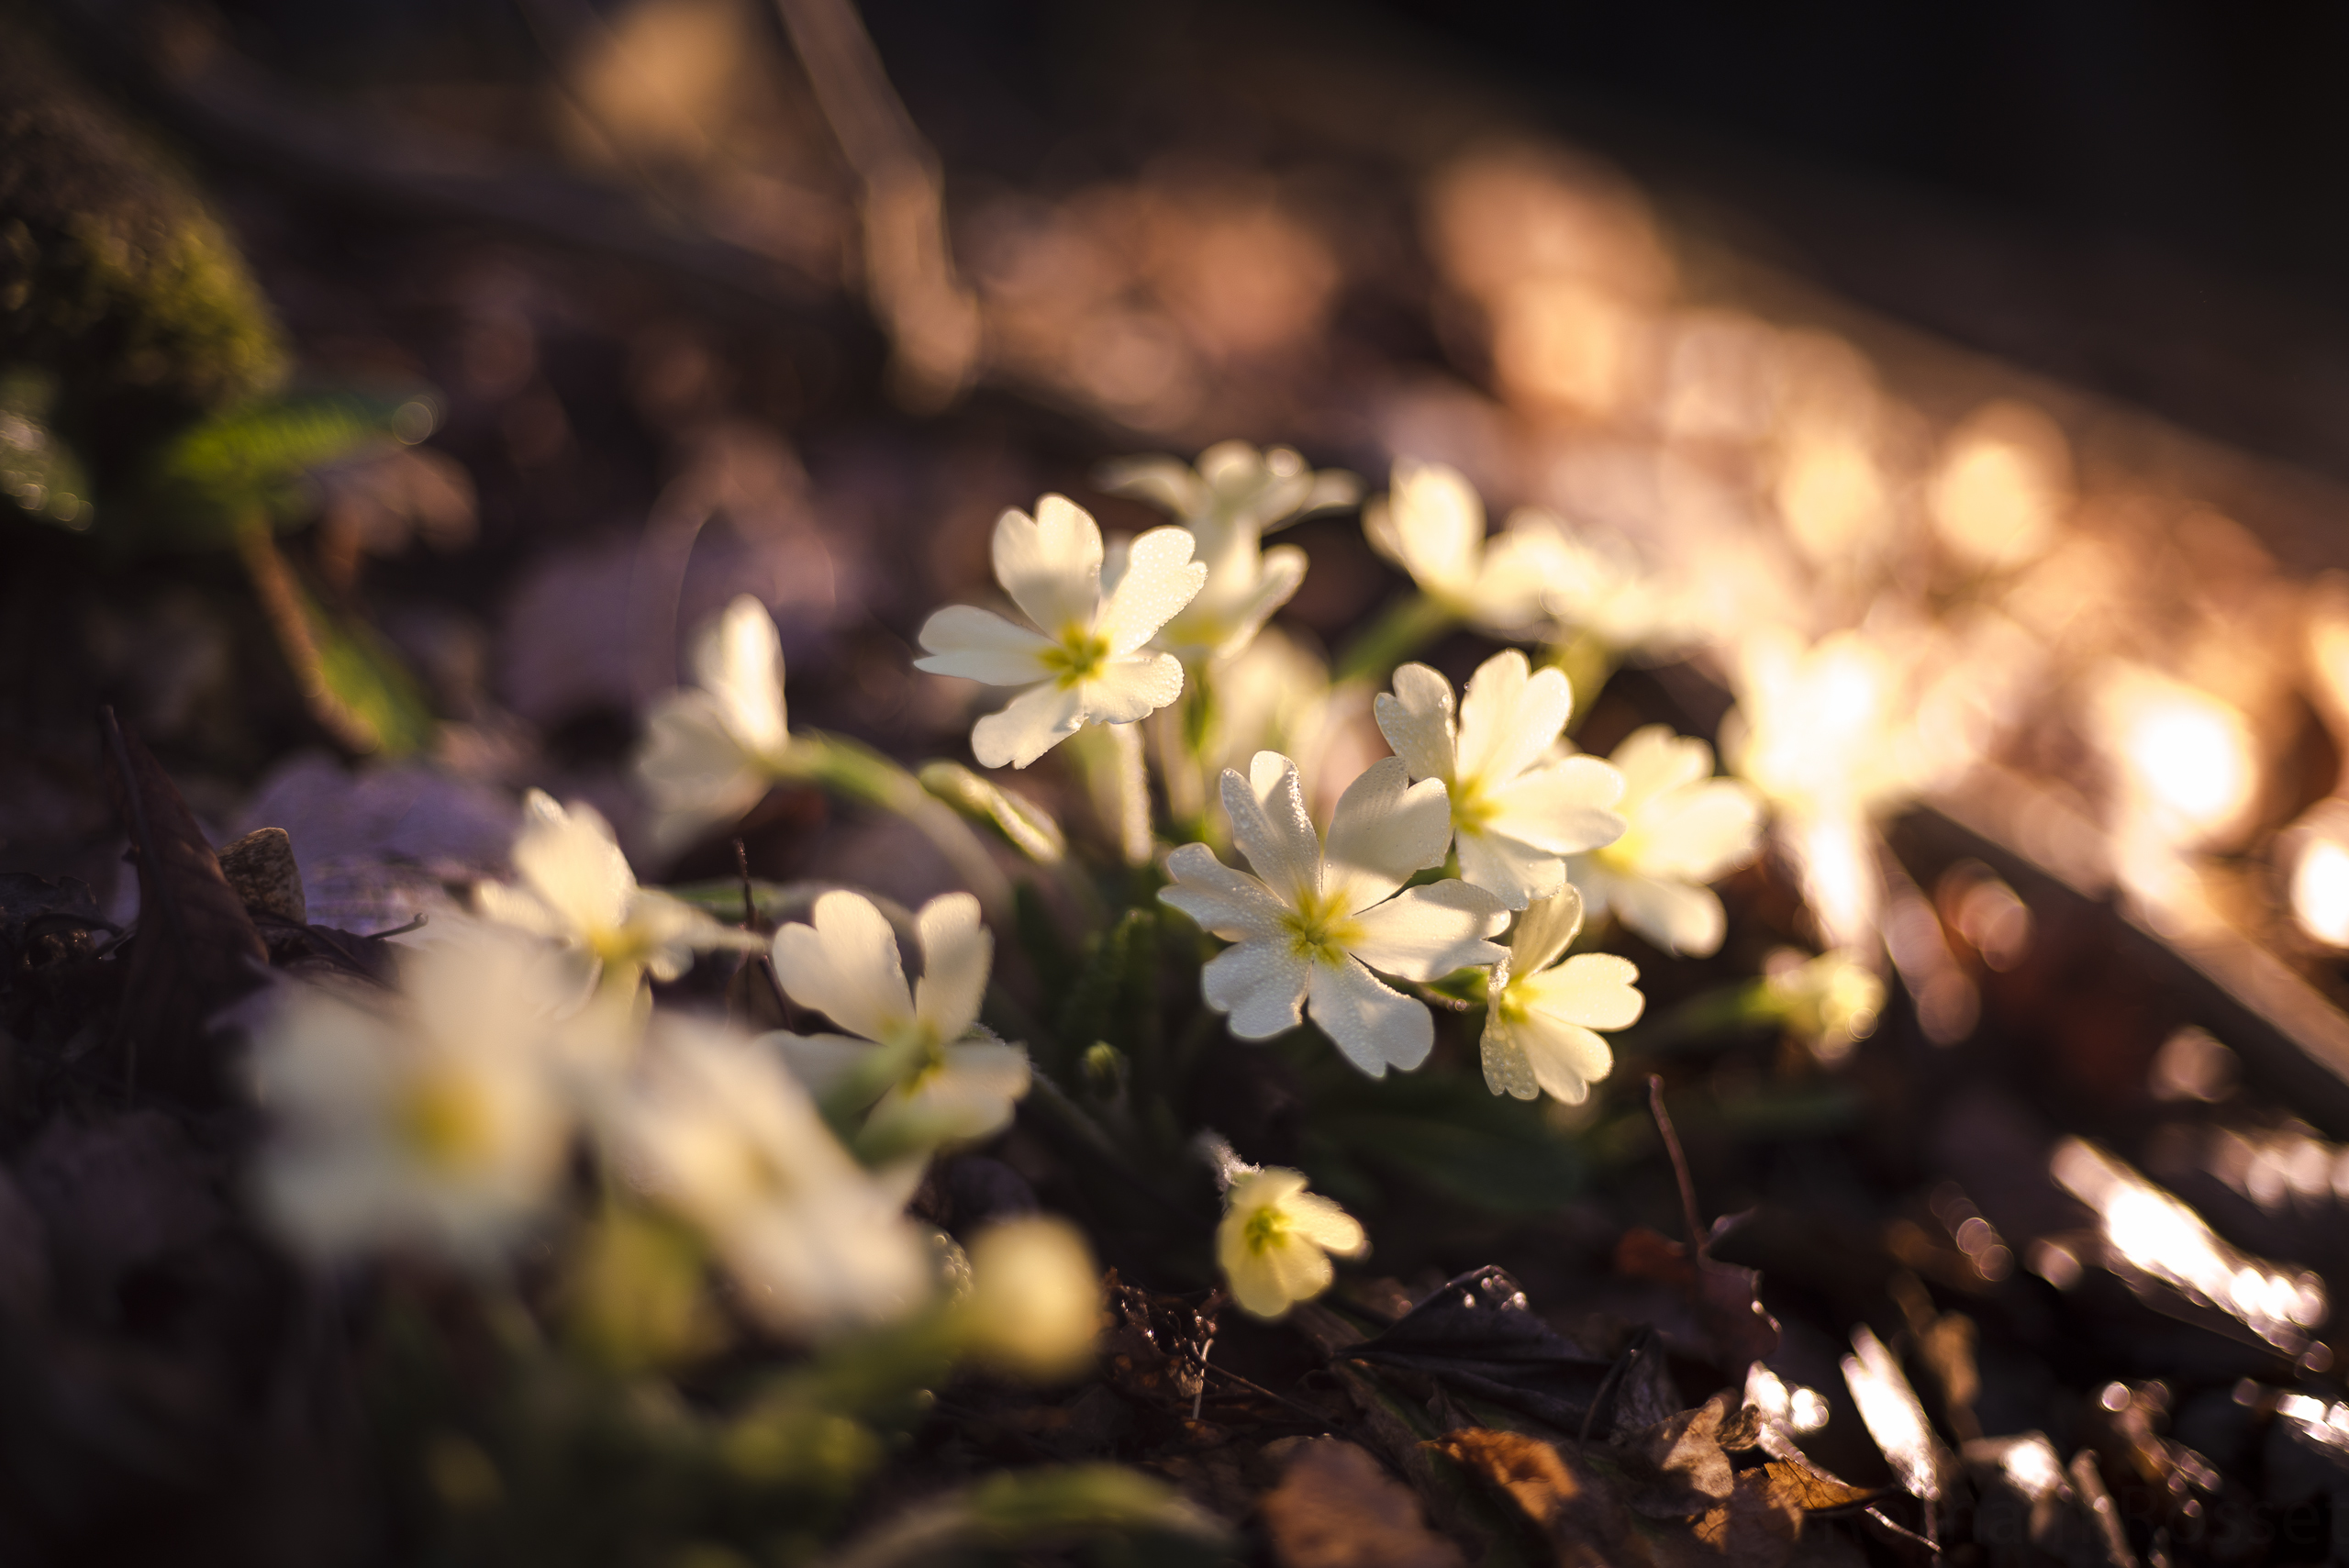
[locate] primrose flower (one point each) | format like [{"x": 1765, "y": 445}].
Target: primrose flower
[
  {"x": 1511, "y": 820},
  {"x": 577, "y": 888},
  {"x": 1229, "y": 502},
  {"x": 1276, "y": 1239},
  {"x": 1431, "y": 524},
  {"x": 1314, "y": 922},
  {"x": 952, "y": 1079},
  {"x": 1035, "y": 1301},
  {"x": 712, "y": 751},
  {"x": 1687, "y": 828},
  {"x": 713, "y": 1126},
  {"x": 1088, "y": 663},
  {"x": 1596, "y": 586},
  {"x": 434, "y": 1120},
  {"x": 1539, "y": 1015}
]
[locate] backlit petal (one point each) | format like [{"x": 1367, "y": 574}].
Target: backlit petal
[
  {"x": 1132, "y": 687},
  {"x": 1545, "y": 930},
  {"x": 1377, "y": 1026},
  {"x": 1596, "y": 990},
  {"x": 1675, "y": 916},
  {"x": 1509, "y": 716},
  {"x": 1160, "y": 578},
  {"x": 1566, "y": 807},
  {"x": 1699, "y": 832},
  {"x": 1417, "y": 720},
  {"x": 1511, "y": 870},
  {"x": 1565, "y": 1058},
  {"x": 1261, "y": 985},
  {"x": 956, "y": 950},
  {"x": 1270, "y": 825},
  {"x": 1425, "y": 933},
  {"x": 737, "y": 659},
  {"x": 1051, "y": 563},
  {"x": 1033, "y": 723},
  {"x": 1653, "y": 759},
  {"x": 980, "y": 645},
  {"x": 1383, "y": 828},
  {"x": 846, "y": 966},
  {"x": 1228, "y": 904}
]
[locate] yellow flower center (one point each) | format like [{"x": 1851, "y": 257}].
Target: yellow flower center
[
  {"x": 445, "y": 1121},
  {"x": 1472, "y": 809},
  {"x": 1266, "y": 1228},
  {"x": 1320, "y": 930},
  {"x": 1077, "y": 656}
]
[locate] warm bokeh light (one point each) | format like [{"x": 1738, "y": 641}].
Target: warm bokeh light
[
  {"x": 2003, "y": 486},
  {"x": 2186, "y": 761}
]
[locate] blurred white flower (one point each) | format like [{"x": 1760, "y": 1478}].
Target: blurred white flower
[
  {"x": 1276, "y": 1239},
  {"x": 1229, "y": 502},
  {"x": 1831, "y": 1001},
  {"x": 712, "y": 1126},
  {"x": 1511, "y": 820},
  {"x": 1088, "y": 663},
  {"x": 951, "y": 1080},
  {"x": 1685, "y": 829},
  {"x": 712, "y": 751},
  {"x": 1035, "y": 1301},
  {"x": 433, "y": 1121},
  {"x": 1596, "y": 586},
  {"x": 1310, "y": 932},
  {"x": 1431, "y": 524},
  {"x": 576, "y": 887},
  {"x": 1540, "y": 1014}
]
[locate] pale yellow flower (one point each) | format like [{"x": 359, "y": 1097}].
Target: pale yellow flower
[
  {"x": 1275, "y": 1241},
  {"x": 713, "y": 750},
  {"x": 1685, "y": 829},
  {"x": 1542, "y": 1016}
]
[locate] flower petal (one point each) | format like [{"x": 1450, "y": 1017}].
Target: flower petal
[
  {"x": 1261, "y": 985},
  {"x": 819, "y": 1061},
  {"x": 1596, "y": 990},
  {"x": 1509, "y": 868},
  {"x": 1051, "y": 563},
  {"x": 1031, "y": 725},
  {"x": 1653, "y": 760},
  {"x": 1377, "y": 1026},
  {"x": 1508, "y": 716},
  {"x": 1564, "y": 808},
  {"x": 980, "y": 645},
  {"x": 970, "y": 1094},
  {"x": 1383, "y": 828},
  {"x": 1425, "y": 933},
  {"x": 846, "y": 966},
  {"x": 1417, "y": 720},
  {"x": 1132, "y": 687},
  {"x": 1565, "y": 1058},
  {"x": 572, "y": 862},
  {"x": 956, "y": 950},
  {"x": 1697, "y": 833},
  {"x": 1321, "y": 1221},
  {"x": 1675, "y": 915},
  {"x": 738, "y": 660},
  {"x": 1270, "y": 825},
  {"x": 1508, "y": 1070},
  {"x": 695, "y": 767},
  {"x": 1432, "y": 526},
  {"x": 1227, "y": 903},
  {"x": 1159, "y": 580},
  {"x": 1545, "y": 930}
]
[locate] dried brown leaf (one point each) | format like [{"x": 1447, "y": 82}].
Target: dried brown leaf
[{"x": 1337, "y": 1507}]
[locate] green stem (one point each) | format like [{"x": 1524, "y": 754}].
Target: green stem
[
  {"x": 863, "y": 774},
  {"x": 1588, "y": 662},
  {"x": 1407, "y": 624},
  {"x": 1132, "y": 792}
]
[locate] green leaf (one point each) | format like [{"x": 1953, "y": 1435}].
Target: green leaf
[
  {"x": 1445, "y": 1131},
  {"x": 1027, "y": 1510},
  {"x": 220, "y": 473}
]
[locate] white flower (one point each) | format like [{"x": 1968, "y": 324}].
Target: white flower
[
  {"x": 1276, "y": 1239},
  {"x": 949, "y": 1084},
  {"x": 1088, "y": 663},
  {"x": 1685, "y": 829},
  {"x": 1596, "y": 585},
  {"x": 1311, "y": 930},
  {"x": 434, "y": 1121},
  {"x": 712, "y": 751},
  {"x": 712, "y": 1126},
  {"x": 1540, "y": 1014},
  {"x": 1511, "y": 820},
  {"x": 1035, "y": 1301},
  {"x": 577, "y": 888},
  {"x": 1431, "y": 524},
  {"x": 1229, "y": 502}
]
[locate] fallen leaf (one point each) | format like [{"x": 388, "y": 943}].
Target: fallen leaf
[
  {"x": 1337, "y": 1507},
  {"x": 1478, "y": 1334},
  {"x": 1889, "y": 1409}
]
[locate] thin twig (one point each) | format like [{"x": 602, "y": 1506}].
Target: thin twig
[
  {"x": 1679, "y": 1164},
  {"x": 1319, "y": 1419}
]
